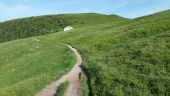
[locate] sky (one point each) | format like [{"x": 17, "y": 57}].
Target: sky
[{"x": 12, "y": 9}]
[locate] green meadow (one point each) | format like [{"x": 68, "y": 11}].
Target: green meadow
[
  {"x": 121, "y": 57},
  {"x": 27, "y": 66}
]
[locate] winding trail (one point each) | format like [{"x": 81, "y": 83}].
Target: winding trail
[{"x": 72, "y": 77}]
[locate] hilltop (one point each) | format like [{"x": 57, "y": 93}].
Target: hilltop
[{"x": 42, "y": 25}]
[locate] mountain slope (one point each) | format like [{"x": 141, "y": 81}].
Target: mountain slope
[
  {"x": 128, "y": 57},
  {"x": 125, "y": 58},
  {"x": 41, "y": 25}
]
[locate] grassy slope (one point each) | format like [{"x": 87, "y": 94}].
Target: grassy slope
[
  {"x": 26, "y": 66},
  {"x": 41, "y": 25},
  {"x": 125, "y": 58}
]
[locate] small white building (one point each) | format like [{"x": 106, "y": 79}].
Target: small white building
[{"x": 68, "y": 28}]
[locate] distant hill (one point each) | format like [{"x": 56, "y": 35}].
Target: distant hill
[{"x": 41, "y": 25}]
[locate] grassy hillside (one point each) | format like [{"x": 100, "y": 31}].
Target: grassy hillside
[
  {"x": 123, "y": 58},
  {"x": 41, "y": 25},
  {"x": 26, "y": 66},
  {"x": 128, "y": 58}
]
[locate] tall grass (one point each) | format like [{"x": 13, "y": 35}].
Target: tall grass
[{"x": 62, "y": 89}]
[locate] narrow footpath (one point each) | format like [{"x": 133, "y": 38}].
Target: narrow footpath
[{"x": 72, "y": 77}]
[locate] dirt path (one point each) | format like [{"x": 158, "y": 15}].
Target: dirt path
[{"x": 72, "y": 77}]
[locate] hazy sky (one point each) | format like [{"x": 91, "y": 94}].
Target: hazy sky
[{"x": 10, "y": 9}]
